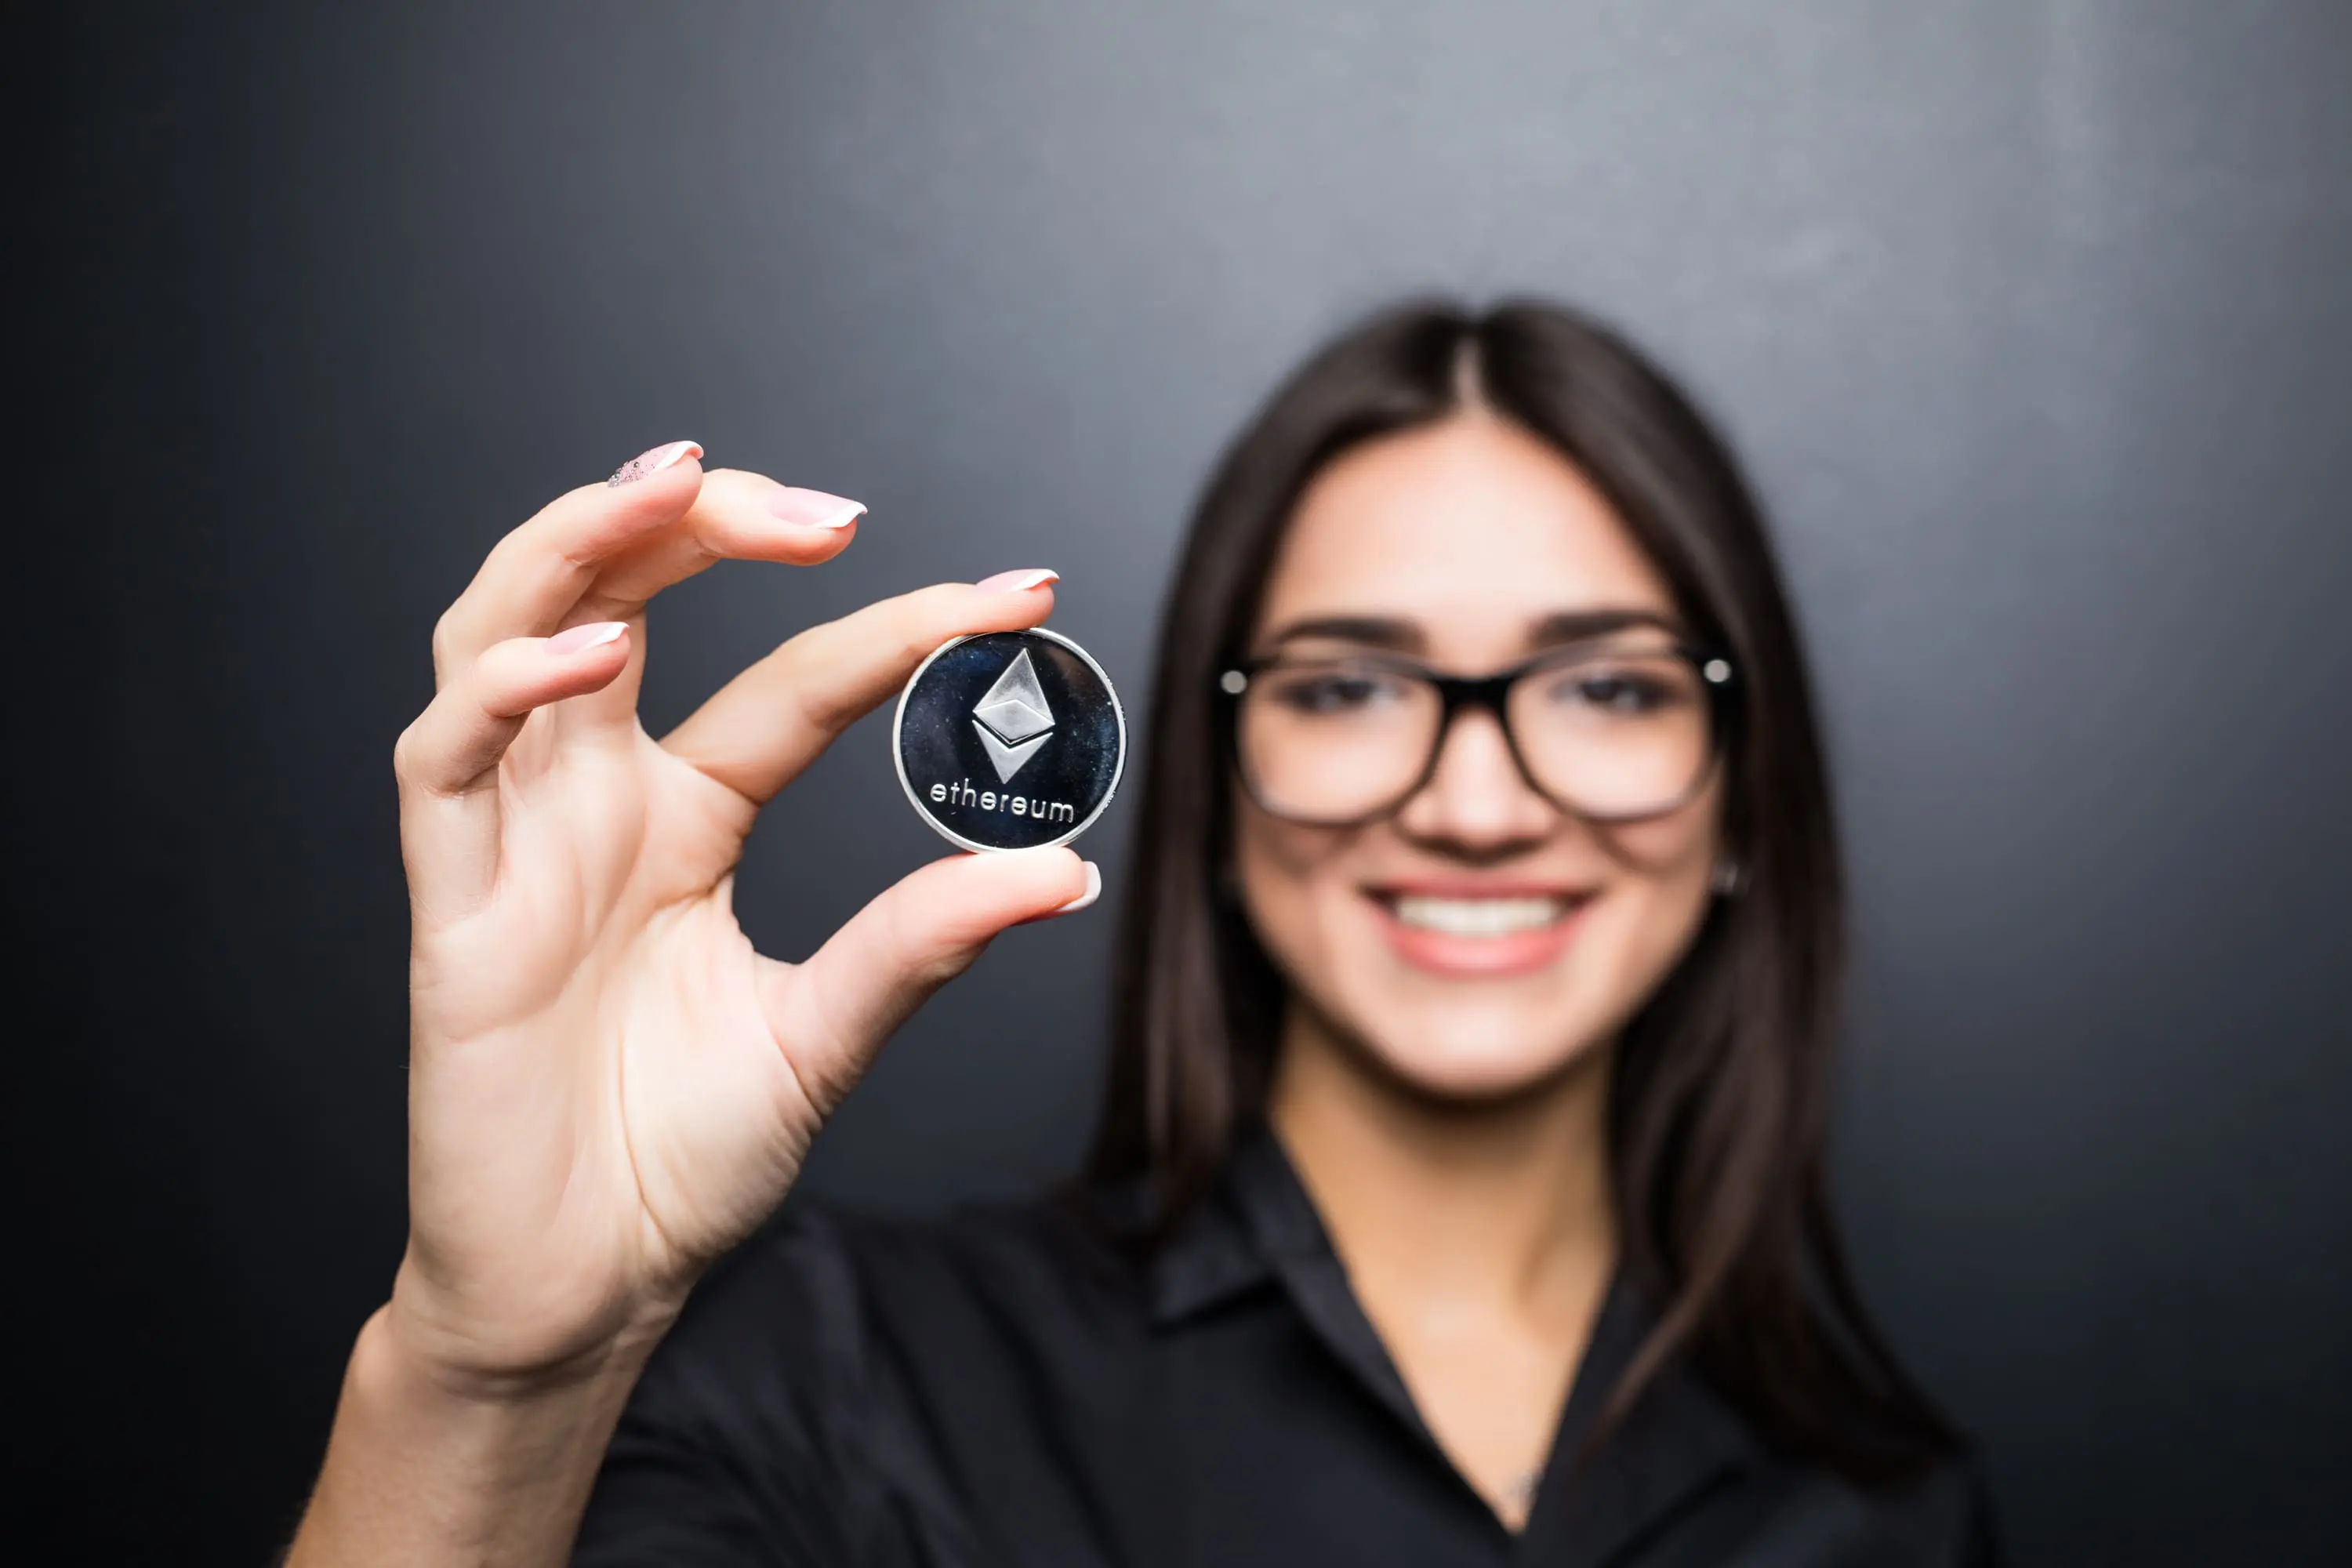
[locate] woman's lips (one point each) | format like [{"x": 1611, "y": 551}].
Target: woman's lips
[{"x": 1484, "y": 933}]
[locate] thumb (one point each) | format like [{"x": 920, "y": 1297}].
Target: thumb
[{"x": 831, "y": 1014}]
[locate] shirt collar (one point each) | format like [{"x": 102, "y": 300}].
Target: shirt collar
[
  {"x": 1225, "y": 1246},
  {"x": 1258, "y": 1229}
]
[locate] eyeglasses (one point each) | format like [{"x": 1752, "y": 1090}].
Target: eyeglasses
[{"x": 1608, "y": 731}]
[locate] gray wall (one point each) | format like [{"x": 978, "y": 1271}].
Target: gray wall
[{"x": 2033, "y": 319}]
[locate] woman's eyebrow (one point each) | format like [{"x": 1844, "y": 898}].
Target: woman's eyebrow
[
  {"x": 1578, "y": 626},
  {"x": 1372, "y": 631},
  {"x": 1399, "y": 635}
]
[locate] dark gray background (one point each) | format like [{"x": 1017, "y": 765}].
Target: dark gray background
[{"x": 2033, "y": 318}]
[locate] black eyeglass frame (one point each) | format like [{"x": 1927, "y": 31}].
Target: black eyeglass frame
[{"x": 1718, "y": 676}]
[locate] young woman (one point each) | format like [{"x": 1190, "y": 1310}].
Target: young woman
[{"x": 1458, "y": 1195}]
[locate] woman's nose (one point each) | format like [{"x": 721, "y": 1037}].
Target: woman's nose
[{"x": 1475, "y": 796}]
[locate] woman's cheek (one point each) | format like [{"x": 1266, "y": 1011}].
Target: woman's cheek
[
  {"x": 1658, "y": 928},
  {"x": 1662, "y": 893},
  {"x": 1285, "y": 892}
]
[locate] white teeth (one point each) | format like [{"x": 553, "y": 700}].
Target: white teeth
[{"x": 1478, "y": 917}]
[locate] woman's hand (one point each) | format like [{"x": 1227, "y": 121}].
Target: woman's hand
[{"x": 608, "y": 1086}]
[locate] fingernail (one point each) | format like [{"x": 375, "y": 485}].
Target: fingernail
[
  {"x": 654, "y": 462},
  {"x": 814, "y": 509},
  {"x": 1017, "y": 582},
  {"x": 579, "y": 639},
  {"x": 1094, "y": 891}
]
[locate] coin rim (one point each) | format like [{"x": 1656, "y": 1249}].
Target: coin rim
[{"x": 899, "y": 750}]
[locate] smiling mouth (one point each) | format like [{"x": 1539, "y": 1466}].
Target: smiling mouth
[{"x": 1478, "y": 915}]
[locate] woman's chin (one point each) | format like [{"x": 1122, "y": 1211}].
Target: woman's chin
[{"x": 1469, "y": 1064}]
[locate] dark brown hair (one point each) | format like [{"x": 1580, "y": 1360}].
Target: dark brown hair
[{"x": 1722, "y": 1086}]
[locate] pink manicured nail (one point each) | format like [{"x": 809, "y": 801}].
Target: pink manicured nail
[
  {"x": 814, "y": 509},
  {"x": 579, "y": 639},
  {"x": 1094, "y": 891},
  {"x": 654, "y": 462},
  {"x": 1019, "y": 581}
]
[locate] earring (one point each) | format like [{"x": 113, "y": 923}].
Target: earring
[{"x": 1727, "y": 878}]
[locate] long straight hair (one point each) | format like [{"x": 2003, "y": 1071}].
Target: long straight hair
[{"x": 1721, "y": 1091}]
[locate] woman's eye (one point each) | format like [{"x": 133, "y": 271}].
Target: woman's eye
[
  {"x": 1338, "y": 692},
  {"x": 1617, "y": 691}
]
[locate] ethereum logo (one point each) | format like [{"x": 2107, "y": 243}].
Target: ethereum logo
[{"x": 1012, "y": 718}]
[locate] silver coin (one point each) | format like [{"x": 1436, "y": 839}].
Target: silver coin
[{"x": 1010, "y": 740}]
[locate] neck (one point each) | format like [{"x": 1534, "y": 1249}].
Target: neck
[{"x": 1503, "y": 1199}]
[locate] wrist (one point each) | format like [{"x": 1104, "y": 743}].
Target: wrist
[
  {"x": 397, "y": 1354},
  {"x": 420, "y": 1340}
]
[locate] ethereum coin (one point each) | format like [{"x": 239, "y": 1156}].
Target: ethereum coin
[{"x": 1010, "y": 740}]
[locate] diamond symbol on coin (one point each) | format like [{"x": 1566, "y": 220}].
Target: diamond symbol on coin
[{"x": 1012, "y": 718}]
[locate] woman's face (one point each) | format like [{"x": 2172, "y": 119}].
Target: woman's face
[{"x": 1479, "y": 938}]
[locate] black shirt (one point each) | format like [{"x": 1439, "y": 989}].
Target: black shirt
[{"x": 1012, "y": 1386}]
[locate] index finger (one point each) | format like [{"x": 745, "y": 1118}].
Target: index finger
[
  {"x": 539, "y": 570},
  {"x": 773, "y": 720},
  {"x": 600, "y": 551}
]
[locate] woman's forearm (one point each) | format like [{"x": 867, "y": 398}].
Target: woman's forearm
[{"x": 421, "y": 1470}]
